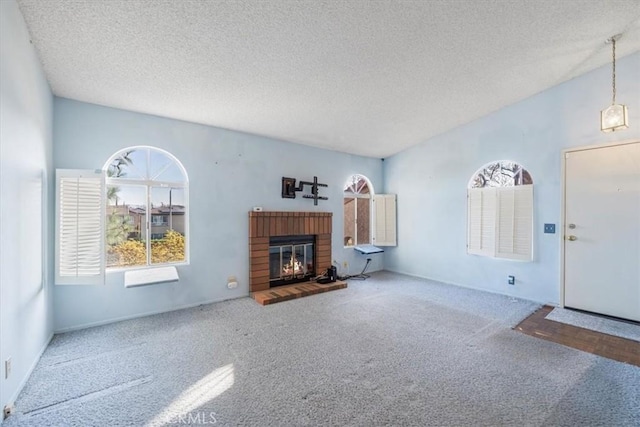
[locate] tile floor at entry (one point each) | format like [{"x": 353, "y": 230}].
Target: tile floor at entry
[{"x": 609, "y": 346}]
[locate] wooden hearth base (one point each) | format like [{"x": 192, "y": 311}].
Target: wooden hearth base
[{"x": 299, "y": 290}]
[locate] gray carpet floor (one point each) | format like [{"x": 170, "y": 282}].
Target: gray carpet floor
[
  {"x": 391, "y": 350},
  {"x": 596, "y": 323}
]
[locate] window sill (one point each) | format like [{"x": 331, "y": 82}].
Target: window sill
[
  {"x": 368, "y": 249},
  {"x": 150, "y": 276}
]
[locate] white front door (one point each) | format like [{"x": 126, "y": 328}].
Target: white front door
[{"x": 602, "y": 230}]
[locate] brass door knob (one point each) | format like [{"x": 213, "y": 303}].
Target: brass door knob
[{"x": 572, "y": 238}]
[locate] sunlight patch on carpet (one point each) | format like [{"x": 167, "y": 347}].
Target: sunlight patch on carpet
[{"x": 205, "y": 390}]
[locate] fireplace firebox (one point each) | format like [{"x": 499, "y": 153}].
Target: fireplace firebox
[{"x": 291, "y": 259}]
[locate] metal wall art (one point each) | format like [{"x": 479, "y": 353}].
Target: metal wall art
[{"x": 289, "y": 189}]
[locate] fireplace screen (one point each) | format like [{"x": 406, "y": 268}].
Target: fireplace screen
[{"x": 291, "y": 259}]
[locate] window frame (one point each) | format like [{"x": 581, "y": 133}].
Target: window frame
[
  {"x": 491, "y": 212},
  {"x": 356, "y": 196},
  {"x": 148, "y": 185}
]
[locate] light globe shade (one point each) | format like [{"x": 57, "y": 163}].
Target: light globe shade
[{"x": 613, "y": 118}]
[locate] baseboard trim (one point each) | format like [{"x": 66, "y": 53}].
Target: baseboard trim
[
  {"x": 145, "y": 314},
  {"x": 491, "y": 291}
]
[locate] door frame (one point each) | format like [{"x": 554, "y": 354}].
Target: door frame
[{"x": 563, "y": 189}]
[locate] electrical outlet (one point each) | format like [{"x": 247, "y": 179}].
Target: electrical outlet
[
  {"x": 7, "y": 368},
  {"x": 8, "y": 410},
  {"x": 550, "y": 228},
  {"x": 512, "y": 280},
  {"x": 232, "y": 282}
]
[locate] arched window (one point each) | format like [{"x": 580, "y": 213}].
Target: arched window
[
  {"x": 146, "y": 208},
  {"x": 500, "y": 211},
  {"x": 504, "y": 173},
  {"x": 358, "y": 193}
]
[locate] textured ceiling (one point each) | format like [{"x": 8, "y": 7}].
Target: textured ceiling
[{"x": 359, "y": 76}]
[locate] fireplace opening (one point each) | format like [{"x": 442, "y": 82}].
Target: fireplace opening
[{"x": 291, "y": 259}]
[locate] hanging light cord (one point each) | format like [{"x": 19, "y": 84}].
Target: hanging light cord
[{"x": 613, "y": 41}]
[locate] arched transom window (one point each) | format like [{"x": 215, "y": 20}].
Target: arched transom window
[{"x": 504, "y": 173}]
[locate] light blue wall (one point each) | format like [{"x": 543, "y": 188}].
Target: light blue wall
[
  {"x": 431, "y": 180},
  {"x": 26, "y": 109},
  {"x": 229, "y": 173}
]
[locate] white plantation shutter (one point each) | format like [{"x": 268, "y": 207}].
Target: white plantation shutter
[
  {"x": 500, "y": 222},
  {"x": 474, "y": 220},
  {"x": 481, "y": 221},
  {"x": 515, "y": 213},
  {"x": 385, "y": 220},
  {"x": 80, "y": 214}
]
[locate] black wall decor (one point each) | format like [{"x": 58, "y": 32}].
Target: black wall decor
[{"x": 289, "y": 189}]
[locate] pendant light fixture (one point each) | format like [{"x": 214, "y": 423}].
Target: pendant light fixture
[{"x": 614, "y": 117}]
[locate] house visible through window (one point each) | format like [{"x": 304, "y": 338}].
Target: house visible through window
[
  {"x": 158, "y": 220},
  {"x": 500, "y": 212},
  {"x": 146, "y": 208},
  {"x": 357, "y": 211}
]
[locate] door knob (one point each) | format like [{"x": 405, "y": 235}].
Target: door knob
[{"x": 572, "y": 238}]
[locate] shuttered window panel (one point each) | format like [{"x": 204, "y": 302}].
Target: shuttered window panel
[
  {"x": 500, "y": 222},
  {"x": 474, "y": 221},
  {"x": 481, "y": 221},
  {"x": 506, "y": 221},
  {"x": 385, "y": 220},
  {"x": 80, "y": 216},
  {"x": 515, "y": 219}
]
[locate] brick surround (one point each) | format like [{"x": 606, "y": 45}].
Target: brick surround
[{"x": 263, "y": 225}]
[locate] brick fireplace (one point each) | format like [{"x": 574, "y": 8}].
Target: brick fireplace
[{"x": 264, "y": 225}]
